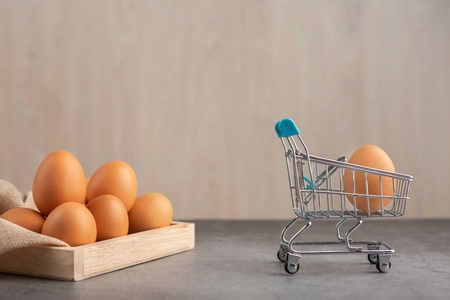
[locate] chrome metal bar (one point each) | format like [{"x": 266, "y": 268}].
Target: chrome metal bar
[
  {"x": 359, "y": 168},
  {"x": 347, "y": 236},
  {"x": 290, "y": 244},
  {"x": 336, "y": 192},
  {"x": 338, "y": 225},
  {"x": 345, "y": 252},
  {"x": 286, "y": 228}
]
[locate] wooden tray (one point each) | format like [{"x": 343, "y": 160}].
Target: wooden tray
[{"x": 77, "y": 263}]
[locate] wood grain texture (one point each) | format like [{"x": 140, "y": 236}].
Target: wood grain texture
[
  {"x": 188, "y": 92},
  {"x": 78, "y": 263}
]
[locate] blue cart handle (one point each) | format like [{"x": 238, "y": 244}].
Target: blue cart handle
[{"x": 286, "y": 128}]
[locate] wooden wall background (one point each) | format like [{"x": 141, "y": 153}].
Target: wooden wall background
[{"x": 188, "y": 92}]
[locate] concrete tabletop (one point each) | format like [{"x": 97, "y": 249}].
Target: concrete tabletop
[{"x": 237, "y": 260}]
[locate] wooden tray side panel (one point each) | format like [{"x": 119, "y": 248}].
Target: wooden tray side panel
[
  {"x": 110, "y": 255},
  {"x": 40, "y": 261}
]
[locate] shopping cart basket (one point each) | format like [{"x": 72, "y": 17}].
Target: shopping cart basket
[{"x": 317, "y": 192}]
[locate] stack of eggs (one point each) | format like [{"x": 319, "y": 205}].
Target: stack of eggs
[{"x": 81, "y": 211}]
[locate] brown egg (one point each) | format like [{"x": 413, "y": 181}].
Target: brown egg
[
  {"x": 72, "y": 223},
  {"x": 373, "y": 157},
  {"x": 59, "y": 179},
  {"x": 113, "y": 178},
  {"x": 110, "y": 216},
  {"x": 150, "y": 211},
  {"x": 25, "y": 217}
]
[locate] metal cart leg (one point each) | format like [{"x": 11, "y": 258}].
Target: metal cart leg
[
  {"x": 291, "y": 264},
  {"x": 347, "y": 237},
  {"x": 284, "y": 243},
  {"x": 338, "y": 226}
]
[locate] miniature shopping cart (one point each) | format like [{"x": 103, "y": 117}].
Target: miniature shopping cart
[{"x": 317, "y": 192}]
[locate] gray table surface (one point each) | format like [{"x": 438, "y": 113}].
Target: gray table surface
[{"x": 237, "y": 260}]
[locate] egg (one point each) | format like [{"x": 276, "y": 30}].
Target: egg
[
  {"x": 25, "y": 217},
  {"x": 59, "y": 179},
  {"x": 373, "y": 157},
  {"x": 72, "y": 223},
  {"x": 150, "y": 211},
  {"x": 110, "y": 216},
  {"x": 115, "y": 178}
]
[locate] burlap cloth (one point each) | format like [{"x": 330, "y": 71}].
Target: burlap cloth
[{"x": 13, "y": 236}]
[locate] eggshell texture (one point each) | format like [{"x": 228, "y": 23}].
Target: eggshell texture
[
  {"x": 113, "y": 178},
  {"x": 72, "y": 223},
  {"x": 59, "y": 179},
  {"x": 373, "y": 157},
  {"x": 110, "y": 216},
  {"x": 150, "y": 211},
  {"x": 25, "y": 217}
]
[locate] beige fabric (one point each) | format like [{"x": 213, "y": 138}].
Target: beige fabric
[{"x": 13, "y": 236}]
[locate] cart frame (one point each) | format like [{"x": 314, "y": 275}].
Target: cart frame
[{"x": 317, "y": 192}]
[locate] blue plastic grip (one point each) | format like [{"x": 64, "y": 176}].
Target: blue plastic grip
[
  {"x": 278, "y": 129},
  {"x": 286, "y": 128}
]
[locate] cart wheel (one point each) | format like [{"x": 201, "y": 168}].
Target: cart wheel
[
  {"x": 383, "y": 267},
  {"x": 281, "y": 255},
  {"x": 290, "y": 266},
  {"x": 373, "y": 258}
]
